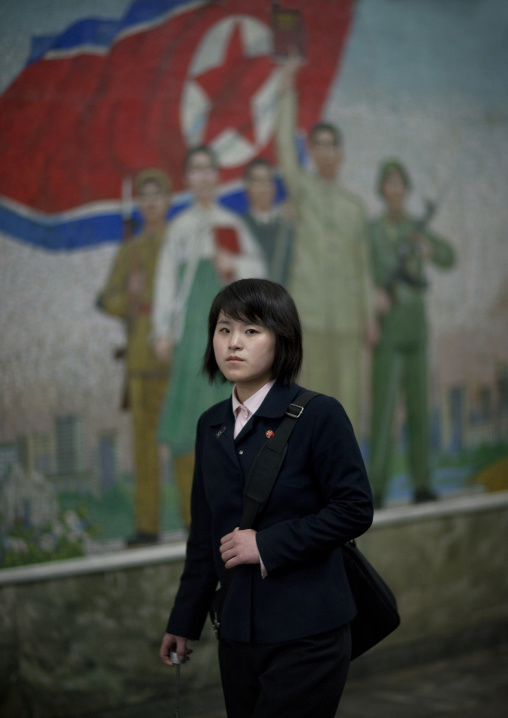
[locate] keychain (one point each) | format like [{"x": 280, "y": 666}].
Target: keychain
[{"x": 177, "y": 662}]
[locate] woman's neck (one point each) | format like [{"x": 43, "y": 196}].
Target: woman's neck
[{"x": 244, "y": 390}]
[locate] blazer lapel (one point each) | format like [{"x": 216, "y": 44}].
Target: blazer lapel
[
  {"x": 222, "y": 425},
  {"x": 277, "y": 400}
]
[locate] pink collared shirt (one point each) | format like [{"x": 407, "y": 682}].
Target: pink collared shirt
[{"x": 243, "y": 412}]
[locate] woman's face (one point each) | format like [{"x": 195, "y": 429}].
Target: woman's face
[
  {"x": 202, "y": 177},
  {"x": 244, "y": 352},
  {"x": 153, "y": 203},
  {"x": 326, "y": 154},
  {"x": 260, "y": 187},
  {"x": 394, "y": 190}
]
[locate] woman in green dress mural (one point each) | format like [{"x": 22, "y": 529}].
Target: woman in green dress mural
[{"x": 206, "y": 246}]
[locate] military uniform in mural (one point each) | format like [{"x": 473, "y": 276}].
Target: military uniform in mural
[
  {"x": 275, "y": 236},
  {"x": 147, "y": 377},
  {"x": 330, "y": 278},
  {"x": 399, "y": 359},
  {"x": 269, "y": 225}
]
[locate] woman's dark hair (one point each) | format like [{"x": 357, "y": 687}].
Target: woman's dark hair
[{"x": 261, "y": 302}]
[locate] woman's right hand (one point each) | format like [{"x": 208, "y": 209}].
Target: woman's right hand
[
  {"x": 290, "y": 67},
  {"x": 177, "y": 644}
]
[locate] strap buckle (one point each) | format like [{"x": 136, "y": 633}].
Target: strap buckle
[
  {"x": 216, "y": 624},
  {"x": 296, "y": 413}
]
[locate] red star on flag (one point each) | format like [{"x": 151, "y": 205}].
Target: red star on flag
[{"x": 230, "y": 87}]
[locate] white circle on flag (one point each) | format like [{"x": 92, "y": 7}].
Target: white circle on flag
[{"x": 231, "y": 145}]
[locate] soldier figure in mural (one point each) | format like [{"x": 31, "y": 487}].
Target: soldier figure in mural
[
  {"x": 206, "y": 247},
  {"x": 267, "y": 222},
  {"x": 128, "y": 295},
  {"x": 330, "y": 278},
  {"x": 400, "y": 248}
]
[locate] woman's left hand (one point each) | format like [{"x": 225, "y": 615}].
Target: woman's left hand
[{"x": 239, "y": 547}]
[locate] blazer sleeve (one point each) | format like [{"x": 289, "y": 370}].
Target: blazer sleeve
[
  {"x": 338, "y": 469},
  {"x": 199, "y": 578}
]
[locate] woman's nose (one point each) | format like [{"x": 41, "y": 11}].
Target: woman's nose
[{"x": 235, "y": 339}]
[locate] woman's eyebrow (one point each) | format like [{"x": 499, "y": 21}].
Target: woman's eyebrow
[
  {"x": 257, "y": 322},
  {"x": 247, "y": 322}
]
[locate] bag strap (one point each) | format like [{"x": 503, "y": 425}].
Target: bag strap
[
  {"x": 261, "y": 479},
  {"x": 267, "y": 464}
]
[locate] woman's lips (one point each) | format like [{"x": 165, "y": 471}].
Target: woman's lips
[{"x": 234, "y": 359}]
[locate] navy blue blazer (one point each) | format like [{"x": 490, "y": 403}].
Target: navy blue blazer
[{"x": 320, "y": 500}]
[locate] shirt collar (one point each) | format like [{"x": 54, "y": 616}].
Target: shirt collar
[
  {"x": 264, "y": 217},
  {"x": 253, "y": 403}
]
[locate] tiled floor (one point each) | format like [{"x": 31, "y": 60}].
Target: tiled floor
[{"x": 474, "y": 685}]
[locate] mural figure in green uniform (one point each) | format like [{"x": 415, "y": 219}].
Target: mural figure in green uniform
[{"x": 401, "y": 247}]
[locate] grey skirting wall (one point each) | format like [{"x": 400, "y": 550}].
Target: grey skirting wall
[{"x": 82, "y": 635}]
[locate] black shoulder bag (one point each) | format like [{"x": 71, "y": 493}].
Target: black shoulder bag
[{"x": 377, "y": 614}]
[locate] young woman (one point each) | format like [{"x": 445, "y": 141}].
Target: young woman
[{"x": 284, "y": 649}]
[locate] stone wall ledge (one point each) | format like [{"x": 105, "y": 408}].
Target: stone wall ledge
[
  {"x": 453, "y": 506},
  {"x": 95, "y": 563},
  {"x": 121, "y": 559}
]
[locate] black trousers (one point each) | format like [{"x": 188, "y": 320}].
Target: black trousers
[{"x": 296, "y": 679}]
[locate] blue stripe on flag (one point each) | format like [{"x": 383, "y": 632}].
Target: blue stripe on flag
[
  {"x": 61, "y": 235},
  {"x": 55, "y": 234},
  {"x": 100, "y": 33}
]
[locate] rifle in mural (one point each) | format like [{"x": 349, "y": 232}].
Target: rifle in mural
[{"x": 408, "y": 250}]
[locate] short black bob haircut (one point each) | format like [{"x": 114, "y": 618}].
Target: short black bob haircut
[{"x": 261, "y": 302}]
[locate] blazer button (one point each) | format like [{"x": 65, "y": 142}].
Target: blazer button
[{"x": 240, "y": 452}]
